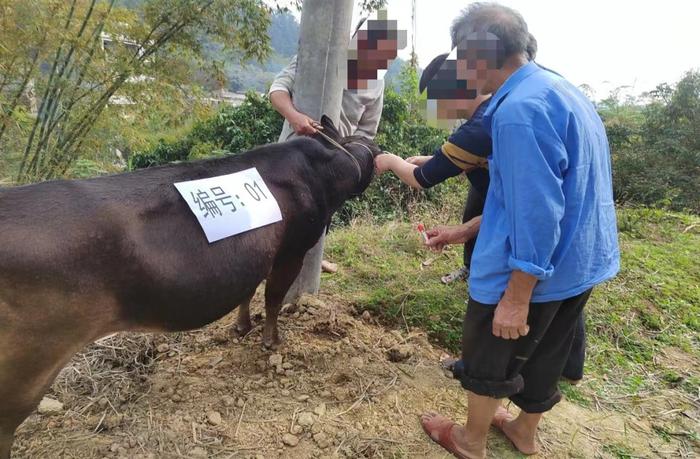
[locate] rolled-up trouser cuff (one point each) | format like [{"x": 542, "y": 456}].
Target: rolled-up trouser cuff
[
  {"x": 485, "y": 387},
  {"x": 532, "y": 407}
]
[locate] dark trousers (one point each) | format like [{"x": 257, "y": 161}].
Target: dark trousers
[
  {"x": 526, "y": 370},
  {"x": 574, "y": 366},
  {"x": 472, "y": 208}
]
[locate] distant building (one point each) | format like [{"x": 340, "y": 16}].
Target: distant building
[{"x": 222, "y": 96}]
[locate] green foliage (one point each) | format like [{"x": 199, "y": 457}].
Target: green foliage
[
  {"x": 656, "y": 146},
  {"x": 231, "y": 130},
  {"x": 74, "y": 59}
]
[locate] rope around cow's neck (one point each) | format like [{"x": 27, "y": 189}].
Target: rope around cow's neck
[{"x": 354, "y": 160}]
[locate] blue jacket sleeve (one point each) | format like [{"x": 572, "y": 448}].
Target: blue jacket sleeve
[{"x": 531, "y": 166}]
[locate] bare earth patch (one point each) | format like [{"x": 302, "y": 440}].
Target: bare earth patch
[{"x": 339, "y": 386}]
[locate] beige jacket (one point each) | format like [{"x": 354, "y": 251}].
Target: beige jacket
[{"x": 360, "y": 111}]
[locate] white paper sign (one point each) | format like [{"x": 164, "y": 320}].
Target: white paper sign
[{"x": 230, "y": 204}]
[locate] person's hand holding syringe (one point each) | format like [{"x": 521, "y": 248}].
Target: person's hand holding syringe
[{"x": 437, "y": 238}]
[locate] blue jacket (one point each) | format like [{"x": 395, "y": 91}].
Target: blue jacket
[{"x": 549, "y": 209}]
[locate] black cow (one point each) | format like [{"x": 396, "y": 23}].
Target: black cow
[{"x": 82, "y": 259}]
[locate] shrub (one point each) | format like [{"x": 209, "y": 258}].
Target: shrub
[{"x": 232, "y": 130}]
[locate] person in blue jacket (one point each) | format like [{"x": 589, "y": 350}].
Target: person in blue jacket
[
  {"x": 465, "y": 152},
  {"x": 548, "y": 234}
]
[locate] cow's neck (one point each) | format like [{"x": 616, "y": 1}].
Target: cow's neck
[{"x": 342, "y": 180}]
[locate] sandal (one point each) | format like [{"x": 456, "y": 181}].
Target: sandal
[
  {"x": 458, "y": 274},
  {"x": 441, "y": 435}
]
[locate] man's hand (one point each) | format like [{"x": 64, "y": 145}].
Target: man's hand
[
  {"x": 384, "y": 162},
  {"x": 510, "y": 319},
  {"x": 418, "y": 160},
  {"x": 303, "y": 125},
  {"x": 441, "y": 236}
]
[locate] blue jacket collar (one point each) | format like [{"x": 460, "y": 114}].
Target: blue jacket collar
[{"x": 511, "y": 83}]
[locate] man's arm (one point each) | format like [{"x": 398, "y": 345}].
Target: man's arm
[
  {"x": 531, "y": 166},
  {"x": 301, "y": 123},
  {"x": 402, "y": 168},
  {"x": 441, "y": 236},
  {"x": 280, "y": 95}
]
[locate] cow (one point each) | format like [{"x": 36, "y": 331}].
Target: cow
[{"x": 83, "y": 259}]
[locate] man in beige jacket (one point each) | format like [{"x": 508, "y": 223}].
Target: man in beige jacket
[{"x": 373, "y": 48}]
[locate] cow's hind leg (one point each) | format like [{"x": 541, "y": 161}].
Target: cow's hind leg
[
  {"x": 281, "y": 278},
  {"x": 244, "y": 324}
]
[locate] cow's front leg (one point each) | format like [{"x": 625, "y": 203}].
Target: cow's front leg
[
  {"x": 244, "y": 325},
  {"x": 281, "y": 278}
]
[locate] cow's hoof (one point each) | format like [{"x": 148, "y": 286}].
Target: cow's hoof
[
  {"x": 272, "y": 344},
  {"x": 241, "y": 331}
]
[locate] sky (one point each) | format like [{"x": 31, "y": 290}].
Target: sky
[{"x": 602, "y": 43}]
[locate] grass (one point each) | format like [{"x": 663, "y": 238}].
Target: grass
[{"x": 643, "y": 326}]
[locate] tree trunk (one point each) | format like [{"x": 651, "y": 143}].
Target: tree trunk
[{"x": 318, "y": 90}]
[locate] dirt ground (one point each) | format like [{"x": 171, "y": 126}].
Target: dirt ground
[{"x": 341, "y": 385}]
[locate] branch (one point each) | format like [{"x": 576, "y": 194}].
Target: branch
[{"x": 42, "y": 107}]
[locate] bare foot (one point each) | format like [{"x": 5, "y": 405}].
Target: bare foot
[
  {"x": 451, "y": 436},
  {"x": 505, "y": 421},
  {"x": 329, "y": 267}
]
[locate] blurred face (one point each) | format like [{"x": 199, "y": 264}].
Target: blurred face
[
  {"x": 479, "y": 59},
  {"x": 451, "y": 96},
  {"x": 372, "y": 50},
  {"x": 458, "y": 109}
]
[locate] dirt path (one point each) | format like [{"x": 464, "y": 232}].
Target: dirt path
[{"x": 340, "y": 386}]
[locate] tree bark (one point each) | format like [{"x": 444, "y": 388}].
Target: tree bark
[{"x": 318, "y": 90}]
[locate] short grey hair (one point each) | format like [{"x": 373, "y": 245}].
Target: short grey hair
[{"x": 505, "y": 23}]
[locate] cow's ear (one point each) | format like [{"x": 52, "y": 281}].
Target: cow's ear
[{"x": 329, "y": 128}]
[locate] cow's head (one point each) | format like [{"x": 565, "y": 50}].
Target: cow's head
[{"x": 361, "y": 148}]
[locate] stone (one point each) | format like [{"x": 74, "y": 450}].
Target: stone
[
  {"x": 287, "y": 366},
  {"x": 275, "y": 360},
  {"x": 50, "y": 406},
  {"x": 228, "y": 400},
  {"x": 214, "y": 418},
  {"x": 296, "y": 429},
  {"x": 290, "y": 440},
  {"x": 320, "y": 410},
  {"x": 322, "y": 440},
  {"x": 285, "y": 393},
  {"x": 163, "y": 348},
  {"x": 310, "y": 301},
  {"x": 366, "y": 316},
  {"x": 240, "y": 403},
  {"x": 302, "y": 398},
  {"x": 306, "y": 419},
  {"x": 400, "y": 352}
]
